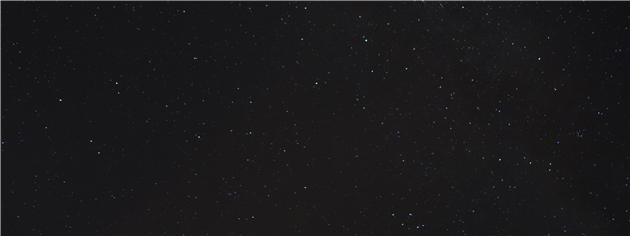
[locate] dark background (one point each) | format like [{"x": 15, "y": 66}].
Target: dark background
[{"x": 315, "y": 118}]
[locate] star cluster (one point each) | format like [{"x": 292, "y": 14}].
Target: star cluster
[{"x": 314, "y": 118}]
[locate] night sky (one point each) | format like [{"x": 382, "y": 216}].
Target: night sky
[{"x": 315, "y": 118}]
